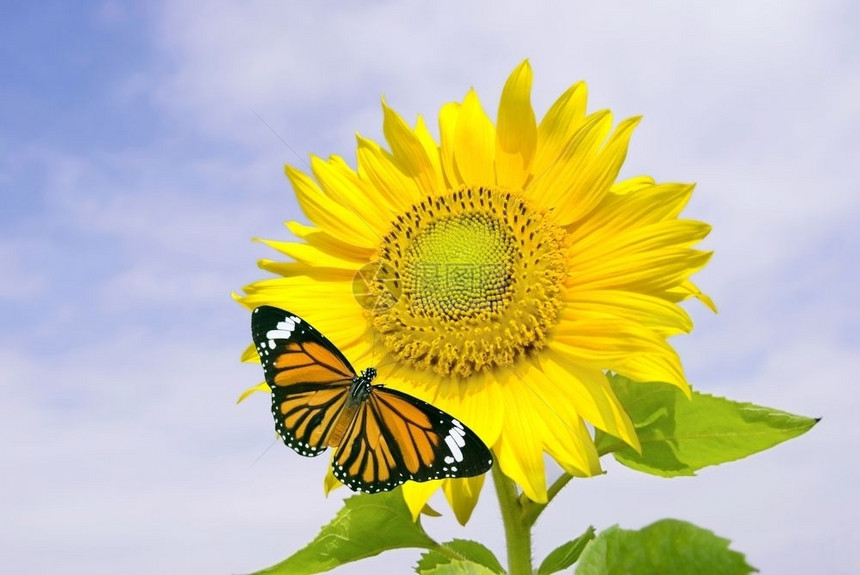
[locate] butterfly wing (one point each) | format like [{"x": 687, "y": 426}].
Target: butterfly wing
[
  {"x": 309, "y": 378},
  {"x": 395, "y": 438}
]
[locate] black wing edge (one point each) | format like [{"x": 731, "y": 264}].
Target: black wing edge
[
  {"x": 478, "y": 458},
  {"x": 286, "y": 435},
  {"x": 267, "y": 317}
]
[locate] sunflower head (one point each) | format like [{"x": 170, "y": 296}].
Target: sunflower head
[{"x": 497, "y": 273}]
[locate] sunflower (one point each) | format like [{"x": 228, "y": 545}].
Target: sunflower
[{"x": 497, "y": 274}]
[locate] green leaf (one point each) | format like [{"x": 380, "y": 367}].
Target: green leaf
[
  {"x": 459, "y": 567},
  {"x": 456, "y": 550},
  {"x": 366, "y": 526},
  {"x": 679, "y": 436},
  {"x": 667, "y": 546},
  {"x": 566, "y": 555}
]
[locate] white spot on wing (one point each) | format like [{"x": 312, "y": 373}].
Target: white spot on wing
[
  {"x": 284, "y": 331},
  {"x": 457, "y": 435},
  {"x": 455, "y": 449}
]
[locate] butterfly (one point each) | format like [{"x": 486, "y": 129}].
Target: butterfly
[{"x": 382, "y": 437}]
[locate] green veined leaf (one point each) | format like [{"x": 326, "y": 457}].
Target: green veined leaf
[
  {"x": 366, "y": 526},
  {"x": 565, "y": 555},
  {"x": 667, "y": 546},
  {"x": 679, "y": 436},
  {"x": 456, "y": 550},
  {"x": 460, "y": 567}
]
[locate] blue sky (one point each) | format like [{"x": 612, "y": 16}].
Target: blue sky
[{"x": 134, "y": 172}]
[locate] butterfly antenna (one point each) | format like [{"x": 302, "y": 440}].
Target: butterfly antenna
[
  {"x": 259, "y": 457},
  {"x": 340, "y": 199},
  {"x": 278, "y": 136}
]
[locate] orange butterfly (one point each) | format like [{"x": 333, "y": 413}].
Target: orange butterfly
[{"x": 382, "y": 437}]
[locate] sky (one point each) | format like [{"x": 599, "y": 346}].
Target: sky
[{"x": 141, "y": 150}]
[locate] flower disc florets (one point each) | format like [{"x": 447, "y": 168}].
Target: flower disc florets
[{"x": 480, "y": 271}]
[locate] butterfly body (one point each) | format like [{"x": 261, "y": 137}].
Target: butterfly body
[
  {"x": 359, "y": 390},
  {"x": 382, "y": 437},
  {"x": 362, "y": 385}
]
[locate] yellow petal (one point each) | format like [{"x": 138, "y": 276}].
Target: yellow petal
[
  {"x": 651, "y": 272},
  {"x": 588, "y": 390},
  {"x": 344, "y": 186},
  {"x": 661, "y": 316},
  {"x": 516, "y": 136},
  {"x": 557, "y": 423},
  {"x": 390, "y": 184},
  {"x": 689, "y": 289},
  {"x": 462, "y": 495},
  {"x": 330, "y": 482},
  {"x": 558, "y": 126},
  {"x": 592, "y": 181},
  {"x": 620, "y": 346},
  {"x": 326, "y": 242},
  {"x": 328, "y": 214},
  {"x": 551, "y": 187},
  {"x": 448, "y": 117},
  {"x": 250, "y": 354},
  {"x": 670, "y": 234},
  {"x": 623, "y": 212},
  {"x": 632, "y": 185},
  {"x": 519, "y": 448},
  {"x": 417, "y": 495},
  {"x": 410, "y": 153},
  {"x": 311, "y": 255},
  {"x": 430, "y": 512},
  {"x": 305, "y": 278},
  {"x": 297, "y": 269},
  {"x": 570, "y": 444},
  {"x": 363, "y": 182},
  {"x": 263, "y": 386},
  {"x": 328, "y": 306},
  {"x": 474, "y": 144},
  {"x": 432, "y": 149}
]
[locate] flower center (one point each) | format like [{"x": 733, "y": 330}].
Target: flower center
[
  {"x": 479, "y": 271},
  {"x": 458, "y": 266}
]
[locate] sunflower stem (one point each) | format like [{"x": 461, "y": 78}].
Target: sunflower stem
[
  {"x": 518, "y": 535},
  {"x": 532, "y": 510}
]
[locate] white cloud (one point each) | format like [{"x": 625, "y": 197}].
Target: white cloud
[
  {"x": 117, "y": 449},
  {"x": 156, "y": 231}
]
